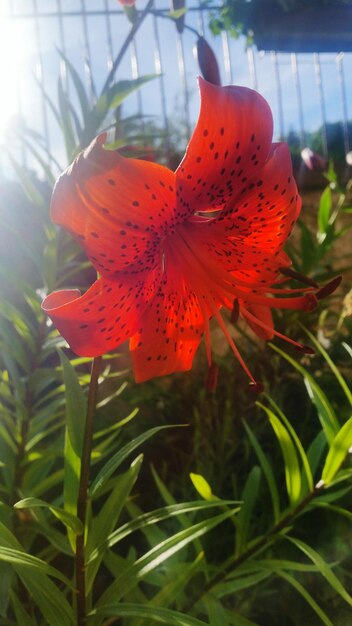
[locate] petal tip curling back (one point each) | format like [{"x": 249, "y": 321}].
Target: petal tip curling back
[{"x": 58, "y": 299}]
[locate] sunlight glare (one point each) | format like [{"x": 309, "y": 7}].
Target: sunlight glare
[{"x": 12, "y": 51}]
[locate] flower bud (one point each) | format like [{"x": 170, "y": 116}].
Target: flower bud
[
  {"x": 313, "y": 160},
  {"x": 176, "y": 5},
  {"x": 207, "y": 62}
]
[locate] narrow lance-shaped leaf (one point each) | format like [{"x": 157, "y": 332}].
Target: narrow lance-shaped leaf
[
  {"x": 80, "y": 90},
  {"x": 338, "y": 451},
  {"x": 22, "y": 617},
  {"x": 152, "y": 559},
  {"x": 202, "y": 486},
  {"x": 249, "y": 496},
  {"x": 66, "y": 122},
  {"x": 216, "y": 612},
  {"x": 267, "y": 471},
  {"x": 19, "y": 559},
  {"x": 76, "y": 407},
  {"x": 112, "y": 465},
  {"x": 323, "y": 567},
  {"x": 292, "y": 469},
  {"x": 324, "y": 210},
  {"x": 297, "y": 442},
  {"x": 335, "y": 370},
  {"x": 306, "y": 595},
  {"x": 154, "y": 517},
  {"x": 154, "y": 614},
  {"x": 326, "y": 413},
  {"x": 69, "y": 520},
  {"x": 108, "y": 516}
]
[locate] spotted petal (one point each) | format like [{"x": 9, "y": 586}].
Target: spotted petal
[
  {"x": 230, "y": 144},
  {"x": 105, "y": 316},
  {"x": 170, "y": 333},
  {"x": 117, "y": 208},
  {"x": 247, "y": 238}
]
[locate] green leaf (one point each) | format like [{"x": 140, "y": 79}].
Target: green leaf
[
  {"x": 76, "y": 408},
  {"x": 216, "y": 612},
  {"x": 202, "y": 486},
  {"x": 249, "y": 496},
  {"x": 81, "y": 92},
  {"x": 323, "y": 567},
  {"x": 20, "y": 560},
  {"x": 335, "y": 370},
  {"x": 154, "y": 517},
  {"x": 31, "y": 190},
  {"x": 107, "y": 518},
  {"x": 157, "y": 555},
  {"x": 51, "y": 602},
  {"x": 50, "y": 261},
  {"x": 238, "y": 620},
  {"x": 118, "y": 458},
  {"x": 326, "y": 413},
  {"x": 338, "y": 451},
  {"x": 292, "y": 469},
  {"x": 245, "y": 581},
  {"x": 66, "y": 123},
  {"x": 117, "y": 93},
  {"x": 296, "y": 440},
  {"x": 316, "y": 450},
  {"x": 69, "y": 520},
  {"x": 156, "y": 614},
  {"x": 76, "y": 405},
  {"x": 308, "y": 598},
  {"x": 324, "y": 210},
  {"x": 267, "y": 471},
  {"x": 308, "y": 248},
  {"x": 22, "y": 617},
  {"x": 172, "y": 591}
]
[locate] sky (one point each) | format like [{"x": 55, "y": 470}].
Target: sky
[{"x": 21, "y": 38}]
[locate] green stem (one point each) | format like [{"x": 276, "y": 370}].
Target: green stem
[
  {"x": 125, "y": 45},
  {"x": 256, "y": 546},
  {"x": 83, "y": 492}
]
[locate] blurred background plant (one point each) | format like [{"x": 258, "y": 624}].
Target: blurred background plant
[{"x": 275, "y": 473}]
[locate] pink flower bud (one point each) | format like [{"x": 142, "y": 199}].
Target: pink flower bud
[
  {"x": 207, "y": 62},
  {"x": 313, "y": 160}
]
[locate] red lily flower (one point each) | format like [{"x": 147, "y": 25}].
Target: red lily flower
[{"x": 172, "y": 248}]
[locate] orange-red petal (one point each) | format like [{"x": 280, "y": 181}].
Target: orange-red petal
[
  {"x": 247, "y": 238},
  {"x": 170, "y": 333},
  {"x": 105, "y": 316},
  {"x": 117, "y": 208},
  {"x": 230, "y": 144}
]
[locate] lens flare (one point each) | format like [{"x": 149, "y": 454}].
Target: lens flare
[{"x": 12, "y": 52}]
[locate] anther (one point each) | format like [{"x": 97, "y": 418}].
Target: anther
[
  {"x": 256, "y": 387},
  {"x": 329, "y": 288}
]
